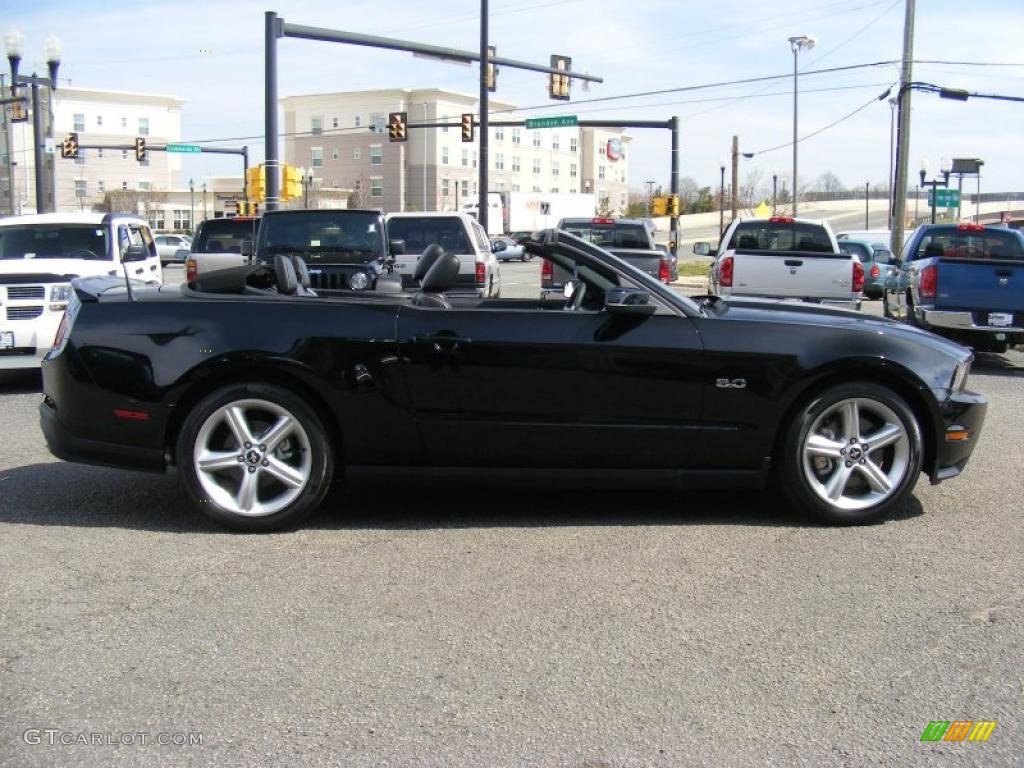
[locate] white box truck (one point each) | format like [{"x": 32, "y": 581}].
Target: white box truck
[{"x": 511, "y": 212}]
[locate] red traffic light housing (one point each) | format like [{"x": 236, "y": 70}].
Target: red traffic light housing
[
  {"x": 140, "y": 148},
  {"x": 558, "y": 85},
  {"x": 467, "y": 126},
  {"x": 69, "y": 147},
  {"x": 398, "y": 126}
]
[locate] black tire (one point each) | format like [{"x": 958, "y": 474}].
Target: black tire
[
  {"x": 886, "y": 312},
  {"x": 319, "y": 471},
  {"x": 904, "y": 459}
]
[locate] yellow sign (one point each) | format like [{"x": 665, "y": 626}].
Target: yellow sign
[{"x": 763, "y": 211}]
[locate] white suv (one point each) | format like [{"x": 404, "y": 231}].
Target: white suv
[
  {"x": 39, "y": 256},
  {"x": 457, "y": 233}
]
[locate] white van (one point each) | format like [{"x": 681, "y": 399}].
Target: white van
[
  {"x": 39, "y": 256},
  {"x": 457, "y": 233}
]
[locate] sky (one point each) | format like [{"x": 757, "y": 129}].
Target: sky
[{"x": 210, "y": 53}]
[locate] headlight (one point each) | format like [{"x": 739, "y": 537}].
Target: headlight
[
  {"x": 959, "y": 382},
  {"x": 59, "y": 296},
  {"x": 359, "y": 281}
]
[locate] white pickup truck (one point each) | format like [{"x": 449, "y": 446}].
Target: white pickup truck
[
  {"x": 40, "y": 254},
  {"x": 784, "y": 258}
]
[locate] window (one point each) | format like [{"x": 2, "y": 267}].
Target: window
[
  {"x": 465, "y": 158},
  {"x": 515, "y": 187},
  {"x": 601, "y": 150},
  {"x": 99, "y": 153},
  {"x": 499, "y": 134},
  {"x": 124, "y": 122},
  {"x": 600, "y": 171},
  {"x": 99, "y": 121},
  {"x": 80, "y": 160},
  {"x": 554, "y": 167},
  {"x": 465, "y": 188},
  {"x": 81, "y": 188},
  {"x": 124, "y": 186},
  {"x": 516, "y": 136},
  {"x": 156, "y": 221},
  {"x": 572, "y": 170},
  {"x": 554, "y": 190},
  {"x": 143, "y": 126},
  {"x": 515, "y": 164},
  {"x": 572, "y": 144},
  {"x": 446, "y": 187},
  {"x": 79, "y": 121},
  {"x": 182, "y": 219},
  {"x": 474, "y": 158},
  {"x": 124, "y": 154},
  {"x": 444, "y": 119},
  {"x": 536, "y": 167},
  {"x": 536, "y": 139},
  {"x": 145, "y": 160},
  {"x": 420, "y": 231},
  {"x": 356, "y": 153},
  {"x": 101, "y": 186},
  {"x": 376, "y": 154},
  {"x": 334, "y": 122},
  {"x": 316, "y": 155},
  {"x": 499, "y": 162},
  {"x": 144, "y": 186},
  {"x": 378, "y": 122},
  {"x": 444, "y": 155},
  {"x": 358, "y": 122},
  {"x": 334, "y": 154},
  {"x": 316, "y": 125},
  {"x": 376, "y": 186},
  {"x": 535, "y": 188}
]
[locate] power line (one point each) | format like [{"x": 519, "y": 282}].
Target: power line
[{"x": 820, "y": 130}]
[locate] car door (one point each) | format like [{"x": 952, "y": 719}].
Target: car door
[{"x": 501, "y": 385}]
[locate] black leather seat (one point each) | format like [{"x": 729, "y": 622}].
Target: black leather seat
[
  {"x": 302, "y": 275},
  {"x": 747, "y": 242},
  {"x": 284, "y": 275},
  {"x": 439, "y": 278},
  {"x": 428, "y": 258}
]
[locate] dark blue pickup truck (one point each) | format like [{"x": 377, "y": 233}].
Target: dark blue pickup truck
[{"x": 964, "y": 282}]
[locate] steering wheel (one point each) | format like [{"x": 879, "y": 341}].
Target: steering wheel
[
  {"x": 576, "y": 300},
  {"x": 83, "y": 253}
]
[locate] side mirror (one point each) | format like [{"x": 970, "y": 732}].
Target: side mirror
[
  {"x": 629, "y": 301},
  {"x": 396, "y": 247},
  {"x": 246, "y": 247},
  {"x": 135, "y": 253},
  {"x": 702, "y": 249}
]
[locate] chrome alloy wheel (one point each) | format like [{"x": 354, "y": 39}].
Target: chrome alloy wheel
[
  {"x": 252, "y": 457},
  {"x": 856, "y": 454}
]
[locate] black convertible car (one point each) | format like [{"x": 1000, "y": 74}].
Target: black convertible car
[{"x": 262, "y": 392}]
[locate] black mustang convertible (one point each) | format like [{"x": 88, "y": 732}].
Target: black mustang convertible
[{"x": 261, "y": 392}]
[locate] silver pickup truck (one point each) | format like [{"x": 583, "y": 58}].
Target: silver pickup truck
[
  {"x": 784, "y": 258},
  {"x": 221, "y": 243}
]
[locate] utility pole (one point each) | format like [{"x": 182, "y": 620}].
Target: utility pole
[
  {"x": 735, "y": 174},
  {"x": 867, "y": 205},
  {"x": 650, "y": 193},
  {"x": 899, "y": 196}
]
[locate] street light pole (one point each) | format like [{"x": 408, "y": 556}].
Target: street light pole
[
  {"x": 192, "y": 201},
  {"x": 775, "y": 191},
  {"x": 650, "y": 193},
  {"x": 797, "y": 42},
  {"x": 867, "y": 205},
  {"x": 935, "y": 183},
  {"x": 204, "y": 201},
  {"x": 721, "y": 198}
]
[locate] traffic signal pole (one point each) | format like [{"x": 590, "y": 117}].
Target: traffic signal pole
[{"x": 483, "y": 207}]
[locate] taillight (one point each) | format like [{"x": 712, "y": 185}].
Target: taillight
[
  {"x": 928, "y": 283},
  {"x": 725, "y": 273},
  {"x": 547, "y": 270},
  {"x": 663, "y": 271},
  {"x": 971, "y": 227},
  {"x": 858, "y": 277},
  {"x": 190, "y": 270},
  {"x": 875, "y": 271},
  {"x": 481, "y": 273},
  {"x": 62, "y": 330},
  {"x": 781, "y": 220}
]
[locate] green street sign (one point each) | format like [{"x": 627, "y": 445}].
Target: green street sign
[
  {"x": 944, "y": 198},
  {"x": 562, "y": 121},
  {"x": 187, "y": 148}
]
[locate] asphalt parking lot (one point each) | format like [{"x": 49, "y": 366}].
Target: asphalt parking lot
[{"x": 509, "y": 627}]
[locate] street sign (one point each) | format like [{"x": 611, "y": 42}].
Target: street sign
[
  {"x": 944, "y": 198},
  {"x": 561, "y": 121},
  {"x": 186, "y": 148}
]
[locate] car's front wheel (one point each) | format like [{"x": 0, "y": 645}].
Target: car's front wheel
[
  {"x": 852, "y": 454},
  {"x": 254, "y": 457}
]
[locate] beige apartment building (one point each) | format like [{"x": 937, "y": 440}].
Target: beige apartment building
[{"x": 342, "y": 139}]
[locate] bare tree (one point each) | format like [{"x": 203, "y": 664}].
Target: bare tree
[
  {"x": 751, "y": 191},
  {"x": 360, "y": 197},
  {"x": 828, "y": 182},
  {"x": 689, "y": 191}
]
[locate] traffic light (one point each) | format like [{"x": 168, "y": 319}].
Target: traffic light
[
  {"x": 558, "y": 85},
  {"x": 467, "y": 126},
  {"x": 140, "y": 148},
  {"x": 659, "y": 206},
  {"x": 397, "y": 126},
  {"x": 673, "y": 205},
  {"x": 492, "y": 69},
  {"x": 257, "y": 189},
  {"x": 291, "y": 183},
  {"x": 69, "y": 147}
]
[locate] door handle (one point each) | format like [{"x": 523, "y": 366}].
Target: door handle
[
  {"x": 443, "y": 343},
  {"x": 138, "y": 271},
  {"x": 1004, "y": 273},
  {"x": 794, "y": 263}
]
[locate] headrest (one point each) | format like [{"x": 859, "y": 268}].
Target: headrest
[
  {"x": 301, "y": 273},
  {"x": 441, "y": 276},
  {"x": 430, "y": 255},
  {"x": 215, "y": 246},
  {"x": 747, "y": 241},
  {"x": 284, "y": 275}
]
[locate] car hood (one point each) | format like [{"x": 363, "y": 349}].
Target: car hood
[
  {"x": 56, "y": 270},
  {"x": 803, "y": 313}
]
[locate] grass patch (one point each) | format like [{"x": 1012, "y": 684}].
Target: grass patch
[{"x": 693, "y": 268}]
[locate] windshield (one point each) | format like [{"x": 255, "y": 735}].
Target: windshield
[
  {"x": 780, "y": 236},
  {"x": 322, "y": 232},
  {"x": 54, "y": 241},
  {"x": 612, "y": 235},
  {"x": 954, "y": 242},
  {"x": 420, "y": 231},
  {"x": 223, "y": 235}
]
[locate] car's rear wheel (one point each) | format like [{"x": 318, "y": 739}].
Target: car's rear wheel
[
  {"x": 254, "y": 457},
  {"x": 852, "y": 454}
]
